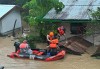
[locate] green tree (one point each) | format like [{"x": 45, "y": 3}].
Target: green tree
[
  {"x": 96, "y": 14},
  {"x": 36, "y": 9},
  {"x": 96, "y": 19},
  {"x": 34, "y": 12},
  {"x": 94, "y": 25}
]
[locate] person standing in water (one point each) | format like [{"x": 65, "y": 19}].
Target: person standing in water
[{"x": 61, "y": 32}]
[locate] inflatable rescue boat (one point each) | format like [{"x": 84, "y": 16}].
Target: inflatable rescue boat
[{"x": 39, "y": 54}]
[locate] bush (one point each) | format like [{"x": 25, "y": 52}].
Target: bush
[
  {"x": 34, "y": 38},
  {"x": 43, "y": 36},
  {"x": 31, "y": 41},
  {"x": 21, "y": 39}
]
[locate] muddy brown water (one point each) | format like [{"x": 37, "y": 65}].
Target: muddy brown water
[{"x": 69, "y": 62}]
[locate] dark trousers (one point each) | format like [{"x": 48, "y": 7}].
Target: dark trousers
[
  {"x": 16, "y": 48},
  {"x": 53, "y": 51},
  {"x": 48, "y": 43}
]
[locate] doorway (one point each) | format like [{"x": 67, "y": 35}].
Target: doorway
[{"x": 77, "y": 28}]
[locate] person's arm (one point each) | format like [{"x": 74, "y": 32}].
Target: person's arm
[
  {"x": 58, "y": 47},
  {"x": 48, "y": 38},
  {"x": 28, "y": 46}
]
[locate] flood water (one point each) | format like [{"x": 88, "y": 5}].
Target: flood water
[{"x": 69, "y": 62}]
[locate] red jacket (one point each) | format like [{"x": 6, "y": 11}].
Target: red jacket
[{"x": 60, "y": 31}]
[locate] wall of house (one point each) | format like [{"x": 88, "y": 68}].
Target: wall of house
[
  {"x": 9, "y": 20},
  {"x": 76, "y": 29},
  {"x": 66, "y": 26}
]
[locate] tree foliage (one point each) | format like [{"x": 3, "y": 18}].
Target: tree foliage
[
  {"x": 96, "y": 14},
  {"x": 96, "y": 19},
  {"x": 59, "y": 6},
  {"x": 35, "y": 11},
  {"x": 94, "y": 25}
]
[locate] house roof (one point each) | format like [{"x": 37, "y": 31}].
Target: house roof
[
  {"x": 5, "y": 9},
  {"x": 74, "y": 9}
]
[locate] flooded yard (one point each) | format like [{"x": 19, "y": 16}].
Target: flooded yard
[{"x": 69, "y": 62}]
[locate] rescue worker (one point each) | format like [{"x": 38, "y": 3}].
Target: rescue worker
[
  {"x": 53, "y": 47},
  {"x": 61, "y": 32},
  {"x": 50, "y": 37},
  {"x": 25, "y": 48}
]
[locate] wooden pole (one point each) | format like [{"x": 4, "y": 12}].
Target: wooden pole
[{"x": 13, "y": 33}]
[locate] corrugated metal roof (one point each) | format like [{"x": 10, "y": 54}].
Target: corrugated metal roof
[
  {"x": 4, "y": 9},
  {"x": 74, "y": 9}
]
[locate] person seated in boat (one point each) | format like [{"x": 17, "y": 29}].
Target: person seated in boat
[
  {"x": 50, "y": 37},
  {"x": 61, "y": 31},
  {"x": 25, "y": 48},
  {"x": 53, "y": 47},
  {"x": 16, "y": 44}
]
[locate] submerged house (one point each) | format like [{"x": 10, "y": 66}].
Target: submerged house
[
  {"x": 9, "y": 18},
  {"x": 75, "y": 12}
]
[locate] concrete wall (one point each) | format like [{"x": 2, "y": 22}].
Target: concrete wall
[{"x": 9, "y": 20}]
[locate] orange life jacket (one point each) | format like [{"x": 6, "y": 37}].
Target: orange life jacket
[
  {"x": 23, "y": 45},
  {"x": 53, "y": 43},
  {"x": 51, "y": 37}
]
